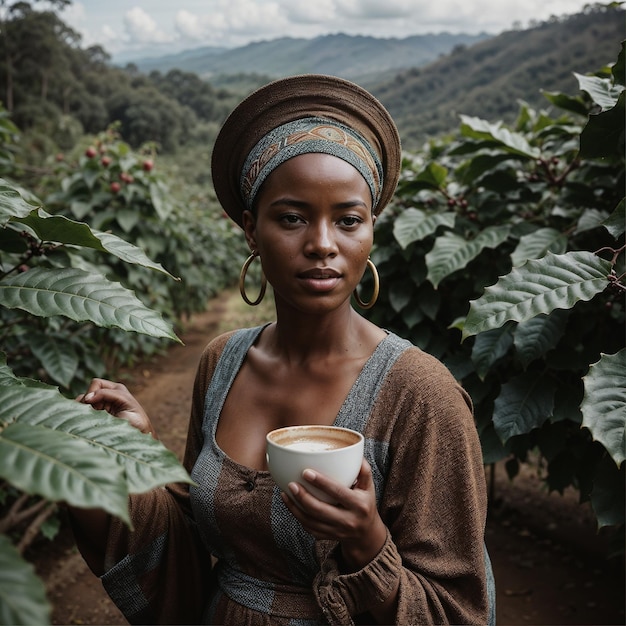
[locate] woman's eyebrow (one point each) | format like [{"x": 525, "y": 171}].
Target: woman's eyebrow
[{"x": 288, "y": 201}]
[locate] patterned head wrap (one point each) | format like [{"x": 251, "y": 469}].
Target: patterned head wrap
[
  {"x": 300, "y": 115},
  {"x": 311, "y": 134}
]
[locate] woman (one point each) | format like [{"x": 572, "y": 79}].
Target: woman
[{"x": 304, "y": 166}]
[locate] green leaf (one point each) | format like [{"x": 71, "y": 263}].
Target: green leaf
[
  {"x": 491, "y": 446},
  {"x": 159, "y": 200},
  {"x": 415, "y": 225},
  {"x": 616, "y": 222},
  {"x": 490, "y": 347},
  {"x": 567, "y": 103},
  {"x": 590, "y": 219},
  {"x": 524, "y": 403},
  {"x": 8, "y": 378},
  {"x": 604, "y": 403},
  {"x": 128, "y": 252},
  {"x": 451, "y": 252},
  {"x": 539, "y": 286},
  {"x": 539, "y": 335},
  {"x": 400, "y": 293},
  {"x": 480, "y": 164},
  {"x": 60, "y": 229},
  {"x": 433, "y": 175},
  {"x": 59, "y": 467},
  {"x": 127, "y": 219},
  {"x": 145, "y": 461},
  {"x": 536, "y": 244},
  {"x": 56, "y": 355},
  {"x": 512, "y": 142},
  {"x": 22, "y": 594},
  {"x": 603, "y": 136},
  {"x": 12, "y": 202},
  {"x": 83, "y": 297},
  {"x": 601, "y": 90}
]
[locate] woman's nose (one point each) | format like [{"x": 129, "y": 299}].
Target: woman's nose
[{"x": 320, "y": 240}]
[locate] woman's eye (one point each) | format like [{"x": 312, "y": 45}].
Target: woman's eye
[
  {"x": 290, "y": 218},
  {"x": 350, "y": 220}
]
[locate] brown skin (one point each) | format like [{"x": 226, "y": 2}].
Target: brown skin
[{"x": 313, "y": 230}]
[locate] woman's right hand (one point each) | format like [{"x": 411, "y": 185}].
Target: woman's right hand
[{"x": 114, "y": 398}]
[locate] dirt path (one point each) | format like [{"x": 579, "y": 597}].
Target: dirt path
[{"x": 550, "y": 564}]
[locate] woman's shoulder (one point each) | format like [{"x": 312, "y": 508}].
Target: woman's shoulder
[
  {"x": 413, "y": 360},
  {"x": 418, "y": 372}
]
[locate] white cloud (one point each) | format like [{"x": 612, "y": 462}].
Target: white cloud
[
  {"x": 375, "y": 9},
  {"x": 320, "y": 12},
  {"x": 232, "y": 22},
  {"x": 163, "y": 26},
  {"x": 188, "y": 25},
  {"x": 142, "y": 29}
]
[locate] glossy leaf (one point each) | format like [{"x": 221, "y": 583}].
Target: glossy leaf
[
  {"x": 616, "y": 222},
  {"x": 601, "y": 90},
  {"x": 57, "y": 357},
  {"x": 146, "y": 463},
  {"x": 415, "y": 225},
  {"x": 482, "y": 163},
  {"x": 538, "y": 335},
  {"x": 537, "y": 243},
  {"x": 433, "y": 175},
  {"x": 590, "y": 219},
  {"x": 539, "y": 286},
  {"x": 81, "y": 296},
  {"x": 604, "y": 403},
  {"x": 489, "y": 347},
  {"x": 603, "y": 136},
  {"x": 451, "y": 252},
  {"x": 55, "y": 465},
  {"x": 508, "y": 140},
  {"x": 12, "y": 202},
  {"x": 22, "y": 594},
  {"x": 60, "y": 229},
  {"x": 524, "y": 403},
  {"x": 567, "y": 103}
]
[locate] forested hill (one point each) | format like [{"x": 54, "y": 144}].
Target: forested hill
[
  {"x": 489, "y": 79},
  {"x": 57, "y": 91},
  {"x": 353, "y": 57}
]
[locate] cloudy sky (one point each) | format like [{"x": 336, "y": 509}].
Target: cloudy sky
[{"x": 135, "y": 27}]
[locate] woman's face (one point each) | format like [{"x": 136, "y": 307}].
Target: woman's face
[{"x": 313, "y": 230}]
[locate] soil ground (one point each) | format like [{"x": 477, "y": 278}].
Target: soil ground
[{"x": 551, "y": 565}]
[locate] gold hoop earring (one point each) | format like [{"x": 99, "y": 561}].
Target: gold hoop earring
[
  {"x": 242, "y": 282},
  {"x": 370, "y": 304}
]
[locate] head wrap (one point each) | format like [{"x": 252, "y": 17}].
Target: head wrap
[
  {"x": 310, "y": 134},
  {"x": 299, "y": 115}
]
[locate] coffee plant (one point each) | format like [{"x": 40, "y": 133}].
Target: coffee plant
[
  {"x": 503, "y": 255},
  {"x": 68, "y": 312}
]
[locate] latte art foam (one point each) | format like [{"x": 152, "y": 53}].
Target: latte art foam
[{"x": 310, "y": 444}]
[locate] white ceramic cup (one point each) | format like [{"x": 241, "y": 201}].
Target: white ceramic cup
[{"x": 331, "y": 450}]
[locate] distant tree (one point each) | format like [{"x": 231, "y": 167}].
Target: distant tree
[
  {"x": 30, "y": 41},
  {"x": 145, "y": 114}
]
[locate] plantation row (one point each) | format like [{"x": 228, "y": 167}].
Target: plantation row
[{"x": 503, "y": 255}]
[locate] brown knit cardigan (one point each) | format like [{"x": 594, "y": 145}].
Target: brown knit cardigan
[{"x": 432, "y": 499}]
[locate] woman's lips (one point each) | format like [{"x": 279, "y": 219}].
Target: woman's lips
[{"x": 320, "y": 279}]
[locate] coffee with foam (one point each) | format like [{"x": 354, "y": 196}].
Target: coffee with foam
[{"x": 331, "y": 450}]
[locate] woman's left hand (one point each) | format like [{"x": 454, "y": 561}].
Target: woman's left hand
[{"x": 353, "y": 521}]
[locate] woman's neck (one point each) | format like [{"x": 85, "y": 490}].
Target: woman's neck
[{"x": 341, "y": 333}]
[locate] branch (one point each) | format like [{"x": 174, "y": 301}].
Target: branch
[
  {"x": 35, "y": 526},
  {"x": 16, "y": 516}
]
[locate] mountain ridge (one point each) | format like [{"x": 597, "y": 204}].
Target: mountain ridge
[{"x": 351, "y": 56}]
